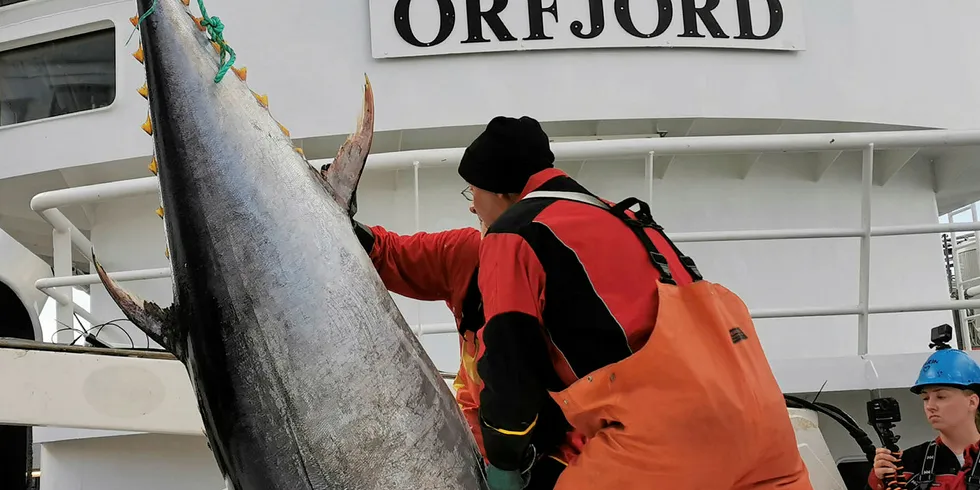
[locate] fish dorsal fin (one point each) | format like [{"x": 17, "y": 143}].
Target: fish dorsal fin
[
  {"x": 157, "y": 322},
  {"x": 345, "y": 172}
]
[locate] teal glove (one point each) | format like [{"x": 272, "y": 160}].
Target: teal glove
[{"x": 499, "y": 479}]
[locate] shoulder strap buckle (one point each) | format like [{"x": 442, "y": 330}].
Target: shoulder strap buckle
[
  {"x": 691, "y": 267},
  {"x": 643, "y": 216}
]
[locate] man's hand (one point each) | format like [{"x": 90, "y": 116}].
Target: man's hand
[
  {"x": 363, "y": 234},
  {"x": 884, "y": 463},
  {"x": 498, "y": 479}
]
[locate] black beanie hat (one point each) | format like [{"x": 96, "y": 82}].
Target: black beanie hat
[{"x": 506, "y": 155}]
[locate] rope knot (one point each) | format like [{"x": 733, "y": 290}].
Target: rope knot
[
  {"x": 215, "y": 28},
  {"x": 216, "y": 31}
]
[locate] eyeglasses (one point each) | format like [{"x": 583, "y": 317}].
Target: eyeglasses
[{"x": 467, "y": 194}]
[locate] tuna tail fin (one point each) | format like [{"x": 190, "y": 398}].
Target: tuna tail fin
[
  {"x": 148, "y": 316},
  {"x": 344, "y": 173}
]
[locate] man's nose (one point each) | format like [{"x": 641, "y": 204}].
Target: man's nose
[{"x": 473, "y": 209}]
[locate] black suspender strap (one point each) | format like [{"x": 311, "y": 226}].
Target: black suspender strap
[
  {"x": 927, "y": 476},
  {"x": 643, "y": 219},
  {"x": 972, "y": 479}
]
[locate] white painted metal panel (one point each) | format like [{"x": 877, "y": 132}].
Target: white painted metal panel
[
  {"x": 78, "y": 387},
  {"x": 74, "y": 387},
  {"x": 309, "y": 57},
  {"x": 813, "y": 448},
  {"x": 67, "y": 387}
]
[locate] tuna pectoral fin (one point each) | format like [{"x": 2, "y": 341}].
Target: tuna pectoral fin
[
  {"x": 146, "y": 315},
  {"x": 343, "y": 175},
  {"x": 352, "y": 207}
]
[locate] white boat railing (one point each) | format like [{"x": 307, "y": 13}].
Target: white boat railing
[
  {"x": 966, "y": 287},
  {"x": 828, "y": 147}
]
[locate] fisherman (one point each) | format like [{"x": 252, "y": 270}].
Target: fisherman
[
  {"x": 948, "y": 384},
  {"x": 442, "y": 266},
  {"x": 572, "y": 289}
]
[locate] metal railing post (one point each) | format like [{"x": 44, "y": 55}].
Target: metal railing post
[
  {"x": 418, "y": 228},
  {"x": 958, "y": 284},
  {"x": 968, "y": 319},
  {"x": 418, "y": 220},
  {"x": 976, "y": 234},
  {"x": 864, "y": 284},
  {"x": 64, "y": 300},
  {"x": 649, "y": 176},
  {"x": 65, "y": 312}
]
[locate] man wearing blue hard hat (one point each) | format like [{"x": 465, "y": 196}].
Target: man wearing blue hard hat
[{"x": 948, "y": 383}]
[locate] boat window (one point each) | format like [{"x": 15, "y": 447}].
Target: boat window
[
  {"x": 4, "y": 3},
  {"x": 63, "y": 76}
]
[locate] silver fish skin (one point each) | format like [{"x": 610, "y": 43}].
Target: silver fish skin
[{"x": 306, "y": 374}]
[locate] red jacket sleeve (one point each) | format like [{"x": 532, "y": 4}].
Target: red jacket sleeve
[
  {"x": 426, "y": 266},
  {"x": 874, "y": 482},
  {"x": 513, "y": 356}
]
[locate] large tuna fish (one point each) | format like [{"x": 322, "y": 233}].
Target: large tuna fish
[{"x": 306, "y": 374}]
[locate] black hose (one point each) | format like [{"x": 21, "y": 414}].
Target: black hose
[
  {"x": 839, "y": 411},
  {"x": 845, "y": 420},
  {"x": 839, "y": 416}
]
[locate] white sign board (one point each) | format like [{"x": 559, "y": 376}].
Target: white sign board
[{"x": 404, "y": 28}]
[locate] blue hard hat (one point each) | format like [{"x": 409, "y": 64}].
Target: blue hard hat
[{"x": 948, "y": 367}]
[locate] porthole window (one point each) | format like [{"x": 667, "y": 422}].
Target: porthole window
[{"x": 58, "y": 77}]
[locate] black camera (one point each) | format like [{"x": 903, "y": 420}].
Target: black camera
[
  {"x": 941, "y": 336},
  {"x": 883, "y": 414},
  {"x": 884, "y": 411}
]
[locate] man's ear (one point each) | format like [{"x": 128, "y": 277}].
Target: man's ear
[{"x": 511, "y": 197}]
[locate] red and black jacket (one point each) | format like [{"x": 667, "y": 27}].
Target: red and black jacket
[
  {"x": 443, "y": 266},
  {"x": 567, "y": 289},
  {"x": 944, "y": 469}
]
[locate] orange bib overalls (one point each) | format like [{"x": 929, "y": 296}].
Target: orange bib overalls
[{"x": 697, "y": 407}]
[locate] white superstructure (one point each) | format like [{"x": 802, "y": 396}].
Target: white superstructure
[{"x": 813, "y": 172}]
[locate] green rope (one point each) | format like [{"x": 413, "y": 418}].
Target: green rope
[
  {"x": 140, "y": 21},
  {"x": 216, "y": 31}
]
